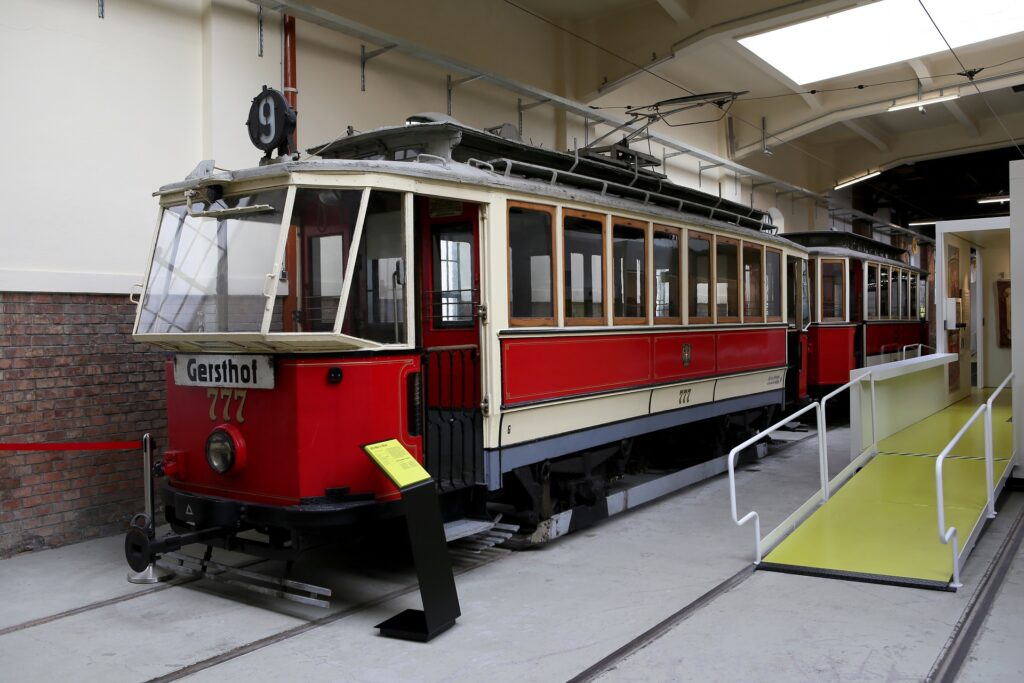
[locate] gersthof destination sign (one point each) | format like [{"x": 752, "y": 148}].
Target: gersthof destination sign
[{"x": 220, "y": 370}]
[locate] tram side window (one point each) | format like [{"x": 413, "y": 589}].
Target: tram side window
[
  {"x": 583, "y": 246},
  {"x": 727, "y": 279},
  {"x": 629, "y": 253},
  {"x": 753, "y": 277},
  {"x": 872, "y": 296},
  {"x": 666, "y": 275},
  {"x": 833, "y": 294},
  {"x": 913, "y": 295},
  {"x": 453, "y": 275},
  {"x": 531, "y": 300},
  {"x": 377, "y": 296},
  {"x": 773, "y": 284},
  {"x": 701, "y": 296},
  {"x": 883, "y": 292},
  {"x": 904, "y": 294}
]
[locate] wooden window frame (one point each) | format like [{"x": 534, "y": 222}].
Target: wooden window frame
[
  {"x": 531, "y": 322},
  {"x": 691, "y": 318},
  {"x": 730, "y": 319},
  {"x": 782, "y": 286},
  {"x": 878, "y": 290},
  {"x": 680, "y": 289},
  {"x": 571, "y": 321},
  {"x": 645, "y": 227},
  {"x": 888, "y": 291},
  {"x": 843, "y": 265},
  {"x": 744, "y": 244},
  {"x": 904, "y": 273}
]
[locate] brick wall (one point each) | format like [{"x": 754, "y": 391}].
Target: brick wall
[{"x": 69, "y": 371}]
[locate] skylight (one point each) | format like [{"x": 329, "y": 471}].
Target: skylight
[{"x": 881, "y": 33}]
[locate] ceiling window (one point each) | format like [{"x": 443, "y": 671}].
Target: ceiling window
[{"x": 881, "y": 33}]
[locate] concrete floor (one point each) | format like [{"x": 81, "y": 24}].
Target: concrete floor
[{"x": 540, "y": 615}]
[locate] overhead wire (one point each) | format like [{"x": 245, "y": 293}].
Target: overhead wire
[
  {"x": 777, "y": 140},
  {"x": 971, "y": 79}
]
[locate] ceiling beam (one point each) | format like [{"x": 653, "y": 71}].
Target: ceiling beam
[
  {"x": 862, "y": 130},
  {"x": 954, "y": 108},
  {"x": 679, "y": 10},
  {"x": 856, "y": 111}
]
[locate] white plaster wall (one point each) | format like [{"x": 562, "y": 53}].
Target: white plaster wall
[
  {"x": 99, "y": 114},
  {"x": 995, "y": 261},
  {"x": 107, "y": 110}
]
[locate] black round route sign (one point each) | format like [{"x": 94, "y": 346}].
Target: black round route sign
[{"x": 271, "y": 121}]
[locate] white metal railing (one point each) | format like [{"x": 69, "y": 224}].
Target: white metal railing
[
  {"x": 919, "y": 348},
  {"x": 824, "y": 441},
  {"x": 950, "y": 534},
  {"x": 751, "y": 441},
  {"x": 822, "y": 436}
]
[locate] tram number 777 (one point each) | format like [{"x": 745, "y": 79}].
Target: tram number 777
[
  {"x": 227, "y": 396},
  {"x": 684, "y": 396}
]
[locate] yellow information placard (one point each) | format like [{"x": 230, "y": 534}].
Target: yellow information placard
[{"x": 397, "y": 463}]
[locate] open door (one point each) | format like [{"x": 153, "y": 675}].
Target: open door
[{"x": 448, "y": 250}]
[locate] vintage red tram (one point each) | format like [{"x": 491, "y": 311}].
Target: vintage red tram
[
  {"x": 867, "y": 305},
  {"x": 516, "y": 317}
]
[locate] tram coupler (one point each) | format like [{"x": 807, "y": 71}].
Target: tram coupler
[{"x": 142, "y": 548}]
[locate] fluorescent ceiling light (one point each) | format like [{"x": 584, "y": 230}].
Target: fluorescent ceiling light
[
  {"x": 923, "y": 102},
  {"x": 881, "y": 33},
  {"x": 847, "y": 183},
  {"x": 921, "y": 223},
  {"x": 994, "y": 200}
]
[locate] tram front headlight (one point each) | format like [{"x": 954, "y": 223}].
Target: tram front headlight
[{"x": 221, "y": 451}]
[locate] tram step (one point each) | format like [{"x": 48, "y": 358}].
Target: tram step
[
  {"x": 481, "y": 534},
  {"x": 265, "y": 584}
]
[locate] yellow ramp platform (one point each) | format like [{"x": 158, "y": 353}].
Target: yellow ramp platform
[{"x": 882, "y": 525}]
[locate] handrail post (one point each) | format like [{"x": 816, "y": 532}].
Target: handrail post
[
  {"x": 989, "y": 485},
  {"x": 874, "y": 434},
  {"x": 822, "y": 451}
]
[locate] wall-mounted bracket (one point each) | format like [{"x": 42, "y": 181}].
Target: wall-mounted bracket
[
  {"x": 364, "y": 57},
  {"x": 701, "y": 167},
  {"x": 100, "y": 8},
  {"x": 520, "y": 107},
  {"x": 453, "y": 84},
  {"x": 753, "y": 187}
]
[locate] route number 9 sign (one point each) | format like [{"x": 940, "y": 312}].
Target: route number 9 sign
[{"x": 271, "y": 122}]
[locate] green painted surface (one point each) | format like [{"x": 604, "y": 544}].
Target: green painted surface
[{"x": 883, "y": 521}]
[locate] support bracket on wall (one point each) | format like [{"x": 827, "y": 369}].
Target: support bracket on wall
[
  {"x": 520, "y": 108},
  {"x": 453, "y": 84},
  {"x": 364, "y": 57},
  {"x": 701, "y": 167},
  {"x": 753, "y": 187},
  {"x": 99, "y": 8}
]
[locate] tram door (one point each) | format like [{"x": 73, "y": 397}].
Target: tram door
[{"x": 448, "y": 239}]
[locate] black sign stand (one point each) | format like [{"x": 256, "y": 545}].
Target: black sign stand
[{"x": 433, "y": 569}]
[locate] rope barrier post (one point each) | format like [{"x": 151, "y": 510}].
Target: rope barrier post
[{"x": 152, "y": 573}]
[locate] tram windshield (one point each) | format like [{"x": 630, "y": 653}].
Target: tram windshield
[
  {"x": 219, "y": 268},
  {"x": 208, "y": 273}
]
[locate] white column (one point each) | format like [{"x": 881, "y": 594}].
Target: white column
[{"x": 1017, "y": 302}]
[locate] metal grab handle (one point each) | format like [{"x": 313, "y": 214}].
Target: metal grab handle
[
  {"x": 823, "y": 451},
  {"x": 989, "y": 475},
  {"x": 945, "y": 535},
  {"x": 732, "y": 470}
]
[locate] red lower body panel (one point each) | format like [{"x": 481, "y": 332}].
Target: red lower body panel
[
  {"x": 547, "y": 368},
  {"x": 830, "y": 356},
  {"x": 891, "y": 337}
]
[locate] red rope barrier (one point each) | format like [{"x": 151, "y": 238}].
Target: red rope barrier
[{"x": 74, "y": 446}]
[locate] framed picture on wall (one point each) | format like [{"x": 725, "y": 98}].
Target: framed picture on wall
[{"x": 1003, "y": 312}]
